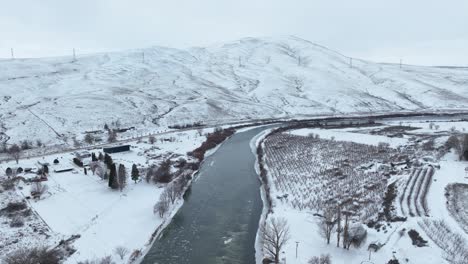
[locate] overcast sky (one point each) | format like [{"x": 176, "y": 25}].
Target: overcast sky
[{"x": 429, "y": 32}]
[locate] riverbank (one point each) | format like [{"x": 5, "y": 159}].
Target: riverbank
[
  {"x": 204, "y": 151},
  {"x": 292, "y": 170},
  {"x": 222, "y": 210},
  {"x": 82, "y": 204}
]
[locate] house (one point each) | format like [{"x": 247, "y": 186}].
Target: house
[{"x": 116, "y": 149}]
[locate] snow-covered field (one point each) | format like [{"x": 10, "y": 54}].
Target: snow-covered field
[
  {"x": 76, "y": 203},
  {"x": 54, "y": 99},
  {"x": 311, "y": 187}
]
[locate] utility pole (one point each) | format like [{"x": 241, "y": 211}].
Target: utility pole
[
  {"x": 143, "y": 56},
  {"x": 74, "y": 55},
  {"x": 350, "y": 62},
  {"x": 297, "y": 245},
  {"x": 12, "y": 54},
  {"x": 400, "y": 62}
]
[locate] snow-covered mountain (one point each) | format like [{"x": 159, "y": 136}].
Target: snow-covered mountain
[{"x": 247, "y": 79}]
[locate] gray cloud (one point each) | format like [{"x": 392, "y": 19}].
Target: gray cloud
[{"x": 421, "y": 31}]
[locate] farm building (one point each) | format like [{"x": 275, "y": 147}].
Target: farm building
[{"x": 116, "y": 149}]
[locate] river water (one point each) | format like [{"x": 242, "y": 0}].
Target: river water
[{"x": 219, "y": 219}]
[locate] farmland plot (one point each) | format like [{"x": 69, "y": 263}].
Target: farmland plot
[
  {"x": 20, "y": 226},
  {"x": 457, "y": 196},
  {"x": 454, "y": 245},
  {"x": 413, "y": 198},
  {"x": 312, "y": 173}
]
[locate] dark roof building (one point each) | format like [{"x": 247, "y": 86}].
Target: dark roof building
[{"x": 116, "y": 149}]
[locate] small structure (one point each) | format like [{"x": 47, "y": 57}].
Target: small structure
[
  {"x": 82, "y": 154},
  {"x": 43, "y": 163},
  {"x": 116, "y": 149},
  {"x": 60, "y": 170}
]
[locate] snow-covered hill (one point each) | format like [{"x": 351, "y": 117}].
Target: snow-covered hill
[{"x": 248, "y": 79}]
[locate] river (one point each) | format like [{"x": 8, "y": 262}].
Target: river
[{"x": 219, "y": 219}]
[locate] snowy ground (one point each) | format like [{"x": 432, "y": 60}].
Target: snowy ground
[
  {"x": 54, "y": 99},
  {"x": 84, "y": 204},
  {"x": 304, "y": 225},
  {"x": 345, "y": 135}
]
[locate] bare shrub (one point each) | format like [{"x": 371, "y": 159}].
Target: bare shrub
[
  {"x": 357, "y": 235},
  {"x": 275, "y": 234},
  {"x": 453, "y": 143},
  {"x": 17, "y": 221},
  {"x": 428, "y": 145},
  {"x": 323, "y": 259},
  {"x": 212, "y": 140},
  {"x": 104, "y": 260},
  {"x": 15, "y": 206},
  {"x": 161, "y": 174},
  {"x": 151, "y": 139},
  {"x": 89, "y": 138},
  {"x": 33, "y": 256}
]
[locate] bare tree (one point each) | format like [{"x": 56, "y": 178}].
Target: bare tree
[
  {"x": 112, "y": 136},
  {"x": 338, "y": 228},
  {"x": 89, "y": 138},
  {"x": 121, "y": 251},
  {"x": 162, "y": 206},
  {"x": 327, "y": 224},
  {"x": 15, "y": 152},
  {"x": 346, "y": 229},
  {"x": 323, "y": 259},
  {"x": 275, "y": 234},
  {"x": 76, "y": 142},
  {"x": 464, "y": 148},
  {"x": 98, "y": 168},
  {"x": 174, "y": 190}
]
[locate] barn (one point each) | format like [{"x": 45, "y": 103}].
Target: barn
[{"x": 116, "y": 149}]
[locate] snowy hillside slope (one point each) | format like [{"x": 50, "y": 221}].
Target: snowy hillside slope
[{"x": 248, "y": 79}]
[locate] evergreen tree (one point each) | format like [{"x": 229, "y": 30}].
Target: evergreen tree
[
  {"x": 45, "y": 169},
  {"x": 101, "y": 157},
  {"x": 122, "y": 177},
  {"x": 113, "y": 181},
  {"x": 93, "y": 157},
  {"x": 135, "y": 173},
  {"x": 108, "y": 160}
]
